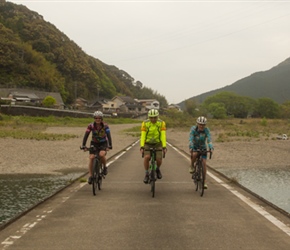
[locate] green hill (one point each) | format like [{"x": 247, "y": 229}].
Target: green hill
[
  {"x": 273, "y": 83},
  {"x": 35, "y": 54}
]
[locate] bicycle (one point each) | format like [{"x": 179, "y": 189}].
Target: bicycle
[
  {"x": 198, "y": 175},
  {"x": 97, "y": 177},
  {"x": 152, "y": 168}
]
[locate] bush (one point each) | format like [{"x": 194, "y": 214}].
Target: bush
[{"x": 49, "y": 102}]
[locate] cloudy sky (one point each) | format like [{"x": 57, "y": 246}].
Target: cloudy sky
[{"x": 179, "y": 48}]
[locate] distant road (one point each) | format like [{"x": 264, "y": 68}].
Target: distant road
[{"x": 125, "y": 216}]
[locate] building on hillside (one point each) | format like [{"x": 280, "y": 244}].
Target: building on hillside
[
  {"x": 30, "y": 96},
  {"x": 24, "y": 97},
  {"x": 109, "y": 106},
  {"x": 174, "y": 106},
  {"x": 81, "y": 102},
  {"x": 127, "y": 104},
  {"x": 149, "y": 103}
]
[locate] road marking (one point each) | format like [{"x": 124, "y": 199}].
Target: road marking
[
  {"x": 19, "y": 233},
  {"x": 256, "y": 207}
]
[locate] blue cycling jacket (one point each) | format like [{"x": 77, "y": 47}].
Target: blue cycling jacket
[{"x": 199, "y": 139}]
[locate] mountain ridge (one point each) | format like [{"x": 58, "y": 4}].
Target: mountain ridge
[
  {"x": 35, "y": 54},
  {"x": 273, "y": 83}
]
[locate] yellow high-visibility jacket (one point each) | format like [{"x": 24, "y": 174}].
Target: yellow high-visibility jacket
[{"x": 153, "y": 133}]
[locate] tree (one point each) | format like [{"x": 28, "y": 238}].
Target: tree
[
  {"x": 266, "y": 107},
  {"x": 217, "y": 110},
  {"x": 49, "y": 102},
  {"x": 235, "y": 105},
  {"x": 191, "y": 107},
  {"x": 285, "y": 110}
]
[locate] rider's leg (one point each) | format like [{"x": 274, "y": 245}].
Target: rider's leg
[
  {"x": 91, "y": 159},
  {"x": 159, "y": 162},
  {"x": 146, "y": 168},
  {"x": 204, "y": 166},
  {"x": 146, "y": 162},
  {"x": 102, "y": 155},
  {"x": 205, "y": 171},
  {"x": 192, "y": 166}
]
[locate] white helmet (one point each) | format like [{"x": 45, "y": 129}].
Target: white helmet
[
  {"x": 201, "y": 120},
  {"x": 98, "y": 114},
  {"x": 153, "y": 113}
]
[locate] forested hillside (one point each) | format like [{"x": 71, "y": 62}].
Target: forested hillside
[
  {"x": 35, "y": 54},
  {"x": 273, "y": 84}
]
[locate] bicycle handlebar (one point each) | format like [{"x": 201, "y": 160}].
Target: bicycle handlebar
[
  {"x": 203, "y": 152},
  {"x": 92, "y": 147},
  {"x": 153, "y": 149}
]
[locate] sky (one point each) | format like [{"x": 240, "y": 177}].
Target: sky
[{"x": 179, "y": 49}]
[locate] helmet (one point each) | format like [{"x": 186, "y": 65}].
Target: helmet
[
  {"x": 98, "y": 114},
  {"x": 153, "y": 113},
  {"x": 201, "y": 120}
]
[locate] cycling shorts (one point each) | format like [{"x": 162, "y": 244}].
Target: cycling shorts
[
  {"x": 158, "y": 146},
  {"x": 204, "y": 156},
  {"x": 102, "y": 146}
]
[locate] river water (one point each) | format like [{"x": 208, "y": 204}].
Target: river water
[
  {"x": 271, "y": 184},
  {"x": 18, "y": 193}
]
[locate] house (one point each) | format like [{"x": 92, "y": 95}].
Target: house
[
  {"x": 109, "y": 106},
  {"x": 81, "y": 102},
  {"x": 149, "y": 103},
  {"x": 174, "y": 106},
  {"x": 127, "y": 104},
  {"x": 24, "y": 97},
  {"x": 29, "y": 96}
]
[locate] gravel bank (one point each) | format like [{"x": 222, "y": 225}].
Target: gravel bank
[{"x": 58, "y": 157}]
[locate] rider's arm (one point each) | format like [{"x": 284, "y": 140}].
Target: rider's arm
[
  {"x": 143, "y": 135},
  {"x": 209, "y": 143},
  {"x": 191, "y": 137},
  {"x": 110, "y": 145},
  {"x": 163, "y": 134},
  {"x": 86, "y": 135}
]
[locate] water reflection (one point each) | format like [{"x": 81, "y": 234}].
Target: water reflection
[
  {"x": 271, "y": 184},
  {"x": 20, "y": 192}
]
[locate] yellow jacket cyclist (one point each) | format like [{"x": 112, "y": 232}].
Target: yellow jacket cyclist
[{"x": 153, "y": 135}]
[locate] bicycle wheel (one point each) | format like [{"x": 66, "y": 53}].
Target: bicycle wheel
[
  {"x": 100, "y": 177},
  {"x": 195, "y": 177},
  {"x": 152, "y": 182},
  {"x": 95, "y": 175},
  {"x": 201, "y": 179}
]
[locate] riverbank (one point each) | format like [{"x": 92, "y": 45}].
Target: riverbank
[{"x": 59, "y": 157}]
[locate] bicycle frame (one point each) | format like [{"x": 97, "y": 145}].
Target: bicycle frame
[
  {"x": 97, "y": 171},
  {"x": 152, "y": 168},
  {"x": 199, "y": 175}
]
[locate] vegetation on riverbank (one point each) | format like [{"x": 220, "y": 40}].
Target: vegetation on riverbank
[
  {"x": 230, "y": 129},
  {"x": 28, "y": 127}
]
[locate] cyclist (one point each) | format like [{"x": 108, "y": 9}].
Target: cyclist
[
  {"x": 101, "y": 139},
  {"x": 199, "y": 138},
  {"x": 153, "y": 135}
]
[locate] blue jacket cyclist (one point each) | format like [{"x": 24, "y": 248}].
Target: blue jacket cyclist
[
  {"x": 101, "y": 138},
  {"x": 199, "y": 138},
  {"x": 153, "y": 135}
]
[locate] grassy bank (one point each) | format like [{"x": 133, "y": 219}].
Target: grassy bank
[{"x": 26, "y": 127}]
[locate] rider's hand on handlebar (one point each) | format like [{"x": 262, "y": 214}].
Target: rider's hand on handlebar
[{"x": 164, "y": 150}]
